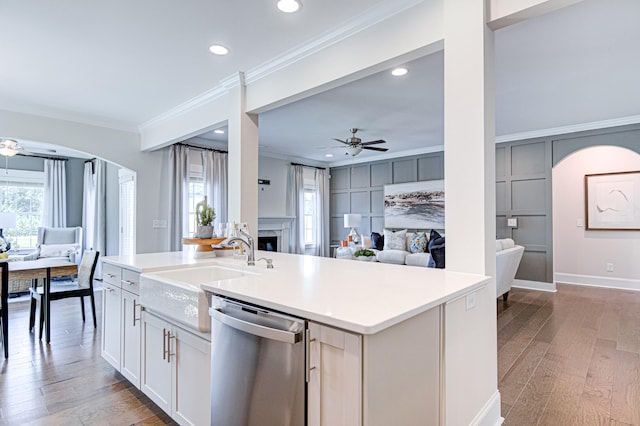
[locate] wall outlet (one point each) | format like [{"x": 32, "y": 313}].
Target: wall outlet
[
  {"x": 469, "y": 301},
  {"x": 159, "y": 224},
  {"x": 609, "y": 267},
  {"x": 512, "y": 222},
  {"x": 579, "y": 223}
]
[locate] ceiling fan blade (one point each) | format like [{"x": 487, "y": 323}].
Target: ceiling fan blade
[
  {"x": 338, "y": 140},
  {"x": 374, "y": 148},
  {"x": 374, "y": 142}
]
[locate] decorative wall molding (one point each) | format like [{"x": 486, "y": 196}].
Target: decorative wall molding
[
  {"x": 597, "y": 281},
  {"x": 554, "y": 131},
  {"x": 387, "y": 156}
]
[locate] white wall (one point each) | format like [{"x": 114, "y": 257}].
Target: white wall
[
  {"x": 581, "y": 256},
  {"x": 272, "y": 199}
]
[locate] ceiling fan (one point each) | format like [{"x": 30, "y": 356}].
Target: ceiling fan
[
  {"x": 355, "y": 145},
  {"x": 11, "y": 147}
]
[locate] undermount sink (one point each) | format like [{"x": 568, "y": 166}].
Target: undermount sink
[{"x": 177, "y": 294}]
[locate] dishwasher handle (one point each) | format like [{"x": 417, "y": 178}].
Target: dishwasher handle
[{"x": 256, "y": 329}]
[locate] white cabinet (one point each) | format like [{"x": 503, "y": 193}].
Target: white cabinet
[
  {"x": 175, "y": 370},
  {"x": 121, "y": 321},
  {"x": 130, "y": 337},
  {"x": 335, "y": 377},
  {"x": 111, "y": 324}
]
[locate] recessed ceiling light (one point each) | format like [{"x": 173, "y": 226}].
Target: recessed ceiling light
[
  {"x": 399, "y": 72},
  {"x": 218, "y": 49},
  {"x": 219, "y": 131},
  {"x": 328, "y": 155},
  {"x": 288, "y": 6}
]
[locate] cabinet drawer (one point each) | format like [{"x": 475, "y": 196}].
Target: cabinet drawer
[
  {"x": 111, "y": 274},
  {"x": 131, "y": 281}
]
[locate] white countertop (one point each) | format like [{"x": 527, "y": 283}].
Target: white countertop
[
  {"x": 363, "y": 297},
  {"x": 150, "y": 262}
]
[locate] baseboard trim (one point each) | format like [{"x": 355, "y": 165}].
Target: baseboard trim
[
  {"x": 597, "y": 281},
  {"x": 535, "y": 285},
  {"x": 490, "y": 413}
]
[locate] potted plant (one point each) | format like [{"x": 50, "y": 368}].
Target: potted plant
[
  {"x": 204, "y": 218},
  {"x": 364, "y": 254}
]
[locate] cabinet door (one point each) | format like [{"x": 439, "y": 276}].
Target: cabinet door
[
  {"x": 335, "y": 377},
  {"x": 192, "y": 367},
  {"x": 111, "y": 325},
  {"x": 156, "y": 365},
  {"x": 130, "y": 338}
]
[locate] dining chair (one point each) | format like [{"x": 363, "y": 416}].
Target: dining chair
[
  {"x": 81, "y": 288},
  {"x": 4, "y": 307}
]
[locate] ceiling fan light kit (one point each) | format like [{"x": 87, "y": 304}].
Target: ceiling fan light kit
[
  {"x": 8, "y": 147},
  {"x": 288, "y": 6}
]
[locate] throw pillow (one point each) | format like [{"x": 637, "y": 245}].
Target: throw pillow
[
  {"x": 437, "y": 248},
  {"x": 394, "y": 240},
  {"x": 433, "y": 235},
  {"x": 418, "y": 243},
  {"x": 377, "y": 241},
  {"x": 57, "y": 250},
  {"x": 365, "y": 242}
]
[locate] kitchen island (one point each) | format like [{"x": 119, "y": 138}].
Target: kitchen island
[{"x": 377, "y": 338}]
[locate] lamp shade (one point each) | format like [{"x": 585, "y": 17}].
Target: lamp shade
[
  {"x": 352, "y": 220},
  {"x": 8, "y": 220}
]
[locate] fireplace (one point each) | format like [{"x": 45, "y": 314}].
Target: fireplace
[
  {"x": 273, "y": 233},
  {"x": 268, "y": 243}
]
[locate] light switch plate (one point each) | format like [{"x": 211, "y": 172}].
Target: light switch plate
[
  {"x": 159, "y": 223},
  {"x": 512, "y": 222},
  {"x": 579, "y": 223}
]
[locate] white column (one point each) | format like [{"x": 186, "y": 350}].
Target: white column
[
  {"x": 243, "y": 157},
  {"x": 470, "y": 350}
]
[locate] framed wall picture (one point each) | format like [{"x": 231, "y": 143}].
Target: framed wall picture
[
  {"x": 612, "y": 201},
  {"x": 414, "y": 205}
]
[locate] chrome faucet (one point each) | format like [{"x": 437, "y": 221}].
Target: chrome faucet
[{"x": 251, "y": 247}]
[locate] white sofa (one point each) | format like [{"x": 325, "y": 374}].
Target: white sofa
[{"x": 508, "y": 256}]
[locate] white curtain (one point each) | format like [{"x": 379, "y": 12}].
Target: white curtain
[
  {"x": 54, "y": 207},
  {"x": 215, "y": 182},
  {"x": 295, "y": 208},
  {"x": 94, "y": 209},
  {"x": 178, "y": 189},
  {"x": 320, "y": 227}
]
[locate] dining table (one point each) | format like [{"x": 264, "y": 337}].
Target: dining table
[{"x": 44, "y": 268}]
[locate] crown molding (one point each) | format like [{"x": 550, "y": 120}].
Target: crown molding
[
  {"x": 574, "y": 128},
  {"x": 372, "y": 16},
  {"x": 193, "y": 103}
]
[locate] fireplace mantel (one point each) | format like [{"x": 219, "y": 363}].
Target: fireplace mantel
[{"x": 278, "y": 226}]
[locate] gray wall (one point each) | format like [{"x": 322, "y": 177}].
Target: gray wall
[{"x": 360, "y": 189}]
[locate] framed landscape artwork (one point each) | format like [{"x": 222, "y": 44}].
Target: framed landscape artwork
[
  {"x": 416, "y": 205},
  {"x": 612, "y": 201}
]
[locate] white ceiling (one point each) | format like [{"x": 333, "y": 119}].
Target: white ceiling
[{"x": 122, "y": 63}]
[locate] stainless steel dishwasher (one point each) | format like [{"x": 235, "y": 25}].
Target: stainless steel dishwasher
[{"x": 257, "y": 366}]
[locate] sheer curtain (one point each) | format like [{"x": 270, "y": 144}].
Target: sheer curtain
[
  {"x": 178, "y": 191},
  {"x": 94, "y": 209},
  {"x": 320, "y": 227},
  {"x": 215, "y": 182},
  {"x": 54, "y": 206},
  {"x": 295, "y": 208}
]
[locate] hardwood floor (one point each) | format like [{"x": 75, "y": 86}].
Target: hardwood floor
[
  {"x": 565, "y": 358},
  {"x": 570, "y": 358},
  {"x": 67, "y": 382}
]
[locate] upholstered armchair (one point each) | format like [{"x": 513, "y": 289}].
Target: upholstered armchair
[{"x": 58, "y": 243}]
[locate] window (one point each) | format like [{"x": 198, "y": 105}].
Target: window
[
  {"x": 196, "y": 190},
  {"x": 309, "y": 216},
  {"x": 22, "y": 192}
]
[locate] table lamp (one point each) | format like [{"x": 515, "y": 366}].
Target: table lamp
[{"x": 352, "y": 220}]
